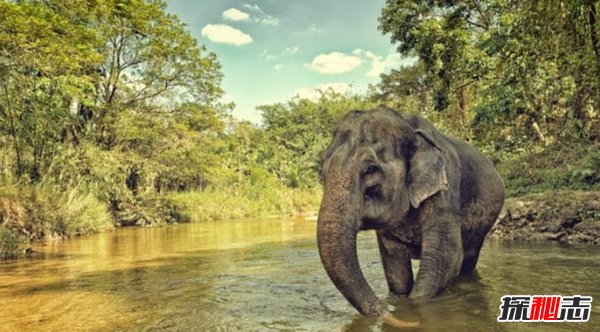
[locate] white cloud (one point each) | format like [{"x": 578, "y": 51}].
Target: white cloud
[
  {"x": 334, "y": 63},
  {"x": 261, "y": 17},
  {"x": 223, "y": 33},
  {"x": 288, "y": 51},
  {"x": 233, "y": 14},
  {"x": 268, "y": 20},
  {"x": 315, "y": 28},
  {"x": 316, "y": 92},
  {"x": 278, "y": 66},
  {"x": 252, "y": 6},
  {"x": 378, "y": 63}
]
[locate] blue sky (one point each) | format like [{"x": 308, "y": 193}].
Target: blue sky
[{"x": 274, "y": 50}]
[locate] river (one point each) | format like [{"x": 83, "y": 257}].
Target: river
[{"x": 261, "y": 276}]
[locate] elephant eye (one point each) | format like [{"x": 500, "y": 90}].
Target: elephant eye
[{"x": 371, "y": 169}]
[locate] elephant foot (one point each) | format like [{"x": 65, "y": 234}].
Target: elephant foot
[{"x": 400, "y": 291}]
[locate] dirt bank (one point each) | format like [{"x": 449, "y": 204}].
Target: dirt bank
[{"x": 571, "y": 217}]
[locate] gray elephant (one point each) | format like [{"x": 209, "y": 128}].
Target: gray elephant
[{"x": 428, "y": 196}]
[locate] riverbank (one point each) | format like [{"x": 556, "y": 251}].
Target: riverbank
[
  {"x": 247, "y": 203},
  {"x": 553, "y": 195},
  {"x": 41, "y": 213},
  {"x": 569, "y": 217}
]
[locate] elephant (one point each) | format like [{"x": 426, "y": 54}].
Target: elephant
[{"x": 427, "y": 196}]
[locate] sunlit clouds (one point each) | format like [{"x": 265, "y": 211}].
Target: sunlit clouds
[
  {"x": 233, "y": 14},
  {"x": 261, "y": 16},
  {"x": 271, "y": 51},
  {"x": 378, "y": 63},
  {"x": 223, "y": 33},
  {"x": 334, "y": 63}
]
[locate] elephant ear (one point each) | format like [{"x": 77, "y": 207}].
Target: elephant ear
[{"x": 427, "y": 171}]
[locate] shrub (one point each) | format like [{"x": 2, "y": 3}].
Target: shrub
[
  {"x": 42, "y": 213},
  {"x": 9, "y": 243}
]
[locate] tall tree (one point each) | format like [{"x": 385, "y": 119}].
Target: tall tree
[
  {"x": 148, "y": 53},
  {"x": 74, "y": 68},
  {"x": 40, "y": 78},
  {"x": 524, "y": 65},
  {"x": 296, "y": 132}
]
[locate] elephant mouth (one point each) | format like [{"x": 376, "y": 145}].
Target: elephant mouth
[{"x": 374, "y": 201}]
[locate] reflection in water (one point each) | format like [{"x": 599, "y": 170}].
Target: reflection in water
[{"x": 261, "y": 275}]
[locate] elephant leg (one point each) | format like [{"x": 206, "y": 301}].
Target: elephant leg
[
  {"x": 395, "y": 257},
  {"x": 472, "y": 240},
  {"x": 441, "y": 258},
  {"x": 470, "y": 255}
]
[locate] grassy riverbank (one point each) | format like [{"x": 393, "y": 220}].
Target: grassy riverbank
[
  {"x": 41, "y": 213},
  {"x": 559, "y": 166},
  {"x": 30, "y": 214},
  {"x": 215, "y": 204},
  {"x": 38, "y": 213}
]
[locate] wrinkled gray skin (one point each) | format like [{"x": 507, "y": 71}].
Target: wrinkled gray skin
[{"x": 428, "y": 196}]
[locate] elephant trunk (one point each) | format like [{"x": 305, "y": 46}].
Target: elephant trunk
[{"x": 338, "y": 225}]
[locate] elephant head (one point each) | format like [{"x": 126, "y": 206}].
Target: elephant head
[{"x": 377, "y": 167}]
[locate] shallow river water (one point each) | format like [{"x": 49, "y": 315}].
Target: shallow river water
[{"x": 262, "y": 276}]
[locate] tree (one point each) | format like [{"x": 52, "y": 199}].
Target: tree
[
  {"x": 40, "y": 78},
  {"x": 297, "y": 132},
  {"x": 70, "y": 70},
  {"x": 148, "y": 54},
  {"x": 504, "y": 64}
]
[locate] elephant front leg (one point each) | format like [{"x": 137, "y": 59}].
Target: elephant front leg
[
  {"x": 395, "y": 257},
  {"x": 441, "y": 257}
]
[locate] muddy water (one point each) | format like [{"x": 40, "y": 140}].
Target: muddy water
[{"x": 261, "y": 276}]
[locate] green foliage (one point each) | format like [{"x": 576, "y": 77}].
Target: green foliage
[
  {"x": 42, "y": 213},
  {"x": 104, "y": 105},
  {"x": 111, "y": 113},
  {"x": 39, "y": 78},
  {"x": 297, "y": 132},
  {"x": 149, "y": 210},
  {"x": 498, "y": 70},
  {"x": 249, "y": 202},
  {"x": 589, "y": 171},
  {"x": 148, "y": 55},
  {"x": 558, "y": 166},
  {"x": 127, "y": 63},
  {"x": 9, "y": 243}
]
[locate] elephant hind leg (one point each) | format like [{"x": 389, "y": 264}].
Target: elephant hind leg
[
  {"x": 478, "y": 224},
  {"x": 469, "y": 261},
  {"x": 472, "y": 243}
]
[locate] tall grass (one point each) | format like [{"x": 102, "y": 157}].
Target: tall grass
[
  {"x": 83, "y": 214},
  {"x": 43, "y": 213},
  {"x": 9, "y": 243},
  {"x": 219, "y": 204},
  {"x": 558, "y": 166}
]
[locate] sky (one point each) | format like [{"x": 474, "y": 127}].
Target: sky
[{"x": 274, "y": 50}]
